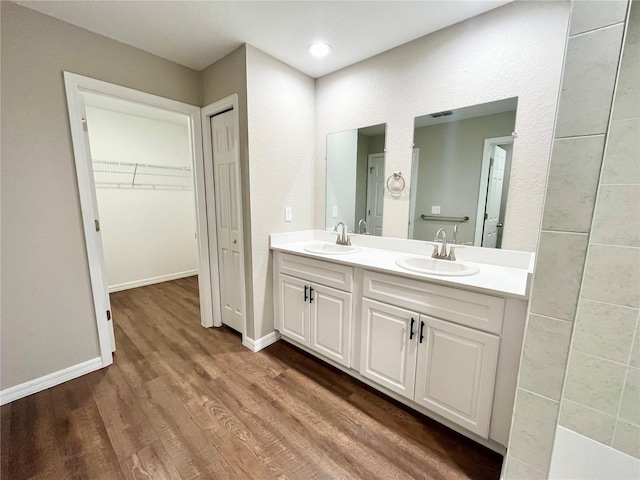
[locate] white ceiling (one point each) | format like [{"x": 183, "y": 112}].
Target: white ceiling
[{"x": 198, "y": 33}]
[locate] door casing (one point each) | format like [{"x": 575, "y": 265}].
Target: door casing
[
  {"x": 74, "y": 85},
  {"x": 230, "y": 102}
]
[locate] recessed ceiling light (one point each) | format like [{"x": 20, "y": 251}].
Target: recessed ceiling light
[{"x": 319, "y": 49}]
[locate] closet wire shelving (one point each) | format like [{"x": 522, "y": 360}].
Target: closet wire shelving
[{"x": 110, "y": 174}]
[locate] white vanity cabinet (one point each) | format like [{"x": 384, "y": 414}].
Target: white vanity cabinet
[
  {"x": 444, "y": 366},
  {"x": 455, "y": 373},
  {"x": 446, "y": 349},
  {"x": 388, "y": 346},
  {"x": 314, "y": 305}
]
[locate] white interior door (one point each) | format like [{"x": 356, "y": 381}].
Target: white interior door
[
  {"x": 99, "y": 253},
  {"x": 494, "y": 197},
  {"x": 415, "y": 161},
  {"x": 227, "y": 195},
  {"x": 375, "y": 193}
]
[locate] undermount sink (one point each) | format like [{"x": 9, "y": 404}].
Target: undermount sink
[
  {"x": 325, "y": 248},
  {"x": 432, "y": 266}
]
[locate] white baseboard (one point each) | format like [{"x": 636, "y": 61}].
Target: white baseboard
[
  {"x": 51, "y": 380},
  {"x": 150, "y": 281},
  {"x": 259, "y": 344}
]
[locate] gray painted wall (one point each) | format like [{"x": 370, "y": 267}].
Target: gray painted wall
[
  {"x": 48, "y": 322},
  {"x": 449, "y": 171}
]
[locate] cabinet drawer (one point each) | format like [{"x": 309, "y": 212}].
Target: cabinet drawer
[
  {"x": 316, "y": 271},
  {"x": 475, "y": 310}
]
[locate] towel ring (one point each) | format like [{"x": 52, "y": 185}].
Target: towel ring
[{"x": 396, "y": 177}]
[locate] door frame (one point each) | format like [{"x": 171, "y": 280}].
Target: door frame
[
  {"x": 227, "y": 103},
  {"x": 484, "y": 182},
  {"x": 367, "y": 216},
  {"x": 74, "y": 86}
]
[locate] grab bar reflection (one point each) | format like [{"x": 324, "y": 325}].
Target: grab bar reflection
[{"x": 444, "y": 219}]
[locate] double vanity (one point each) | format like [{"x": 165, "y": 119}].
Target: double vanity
[{"x": 443, "y": 337}]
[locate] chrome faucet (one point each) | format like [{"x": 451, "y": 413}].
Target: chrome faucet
[
  {"x": 455, "y": 234},
  {"x": 443, "y": 254},
  {"x": 360, "y": 224},
  {"x": 343, "y": 238}
]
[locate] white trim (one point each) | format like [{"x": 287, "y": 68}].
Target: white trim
[
  {"x": 216, "y": 107},
  {"x": 74, "y": 85},
  {"x": 484, "y": 181},
  {"x": 50, "y": 380},
  {"x": 151, "y": 281},
  {"x": 259, "y": 344}
]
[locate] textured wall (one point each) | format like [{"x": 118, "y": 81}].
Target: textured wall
[
  {"x": 220, "y": 80},
  {"x": 281, "y": 109},
  {"x": 604, "y": 321},
  {"x": 43, "y": 251},
  {"x": 512, "y": 51}
]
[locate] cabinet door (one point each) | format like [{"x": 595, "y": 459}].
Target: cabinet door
[
  {"x": 456, "y": 372},
  {"x": 388, "y": 349},
  {"x": 294, "y": 310},
  {"x": 331, "y": 323}
]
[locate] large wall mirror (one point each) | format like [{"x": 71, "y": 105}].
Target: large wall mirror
[
  {"x": 355, "y": 179},
  {"x": 460, "y": 173}
]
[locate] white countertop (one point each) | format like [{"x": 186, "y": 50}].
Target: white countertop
[{"x": 501, "y": 272}]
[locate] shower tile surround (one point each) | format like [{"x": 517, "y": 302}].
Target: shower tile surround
[{"x": 579, "y": 367}]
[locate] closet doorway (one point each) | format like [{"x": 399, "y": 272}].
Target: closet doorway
[
  {"x": 144, "y": 191},
  {"x": 142, "y": 169}
]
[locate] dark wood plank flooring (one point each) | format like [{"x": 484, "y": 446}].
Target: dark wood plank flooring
[{"x": 184, "y": 402}]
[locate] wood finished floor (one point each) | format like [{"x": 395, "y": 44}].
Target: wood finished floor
[{"x": 184, "y": 402}]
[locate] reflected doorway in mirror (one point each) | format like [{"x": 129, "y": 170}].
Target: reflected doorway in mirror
[{"x": 450, "y": 176}]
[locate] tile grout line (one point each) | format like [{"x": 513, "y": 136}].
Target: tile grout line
[
  {"x": 550, "y": 317},
  {"x": 610, "y": 304},
  {"x": 598, "y": 29},
  {"x": 530, "y": 466},
  {"x": 600, "y": 358},
  {"x": 540, "y": 395},
  {"x": 586, "y": 135}
]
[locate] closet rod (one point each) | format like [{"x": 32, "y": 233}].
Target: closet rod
[{"x": 145, "y": 165}]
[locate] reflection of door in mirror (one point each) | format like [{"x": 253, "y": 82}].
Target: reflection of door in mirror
[
  {"x": 494, "y": 197},
  {"x": 415, "y": 163},
  {"x": 491, "y": 197},
  {"x": 452, "y": 174},
  {"x": 375, "y": 193}
]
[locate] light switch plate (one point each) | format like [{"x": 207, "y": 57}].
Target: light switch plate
[
  {"x": 287, "y": 214},
  {"x": 435, "y": 210},
  {"x": 335, "y": 211}
]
